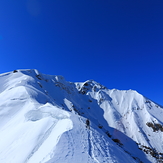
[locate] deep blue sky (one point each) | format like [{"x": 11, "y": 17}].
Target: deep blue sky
[{"x": 118, "y": 43}]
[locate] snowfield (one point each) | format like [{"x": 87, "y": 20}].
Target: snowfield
[{"x": 43, "y": 120}]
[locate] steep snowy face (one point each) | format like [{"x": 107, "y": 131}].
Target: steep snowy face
[
  {"x": 130, "y": 113},
  {"x": 43, "y": 119}
]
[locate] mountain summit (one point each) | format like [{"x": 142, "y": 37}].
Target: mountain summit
[{"x": 46, "y": 119}]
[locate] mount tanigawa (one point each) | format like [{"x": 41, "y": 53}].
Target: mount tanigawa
[{"x": 45, "y": 119}]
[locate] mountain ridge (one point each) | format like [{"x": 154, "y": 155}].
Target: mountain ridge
[{"x": 128, "y": 122}]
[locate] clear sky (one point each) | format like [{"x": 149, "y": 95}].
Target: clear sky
[{"x": 118, "y": 43}]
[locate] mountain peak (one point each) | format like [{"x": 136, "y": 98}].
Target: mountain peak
[{"x": 47, "y": 115}]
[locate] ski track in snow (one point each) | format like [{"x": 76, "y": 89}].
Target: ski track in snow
[
  {"x": 71, "y": 144},
  {"x": 91, "y": 146},
  {"x": 83, "y": 140}
]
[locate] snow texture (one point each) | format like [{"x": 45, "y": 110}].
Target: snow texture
[{"x": 43, "y": 120}]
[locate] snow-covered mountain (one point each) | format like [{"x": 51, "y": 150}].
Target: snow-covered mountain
[{"x": 43, "y": 120}]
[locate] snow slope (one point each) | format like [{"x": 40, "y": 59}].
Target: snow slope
[{"x": 43, "y": 121}]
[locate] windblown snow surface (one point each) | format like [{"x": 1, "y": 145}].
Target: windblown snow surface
[{"x": 43, "y": 120}]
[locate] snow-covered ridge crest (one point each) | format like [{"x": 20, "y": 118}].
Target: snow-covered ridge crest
[{"x": 46, "y": 114}]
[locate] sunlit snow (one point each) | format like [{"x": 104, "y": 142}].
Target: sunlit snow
[{"x": 43, "y": 120}]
